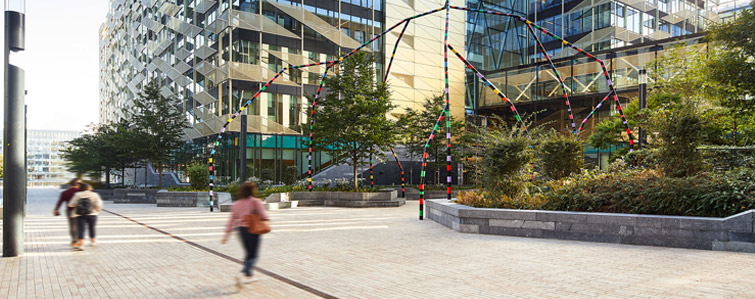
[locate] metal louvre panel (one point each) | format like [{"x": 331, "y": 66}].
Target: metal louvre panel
[
  {"x": 204, "y": 68},
  {"x": 181, "y": 66},
  {"x": 191, "y": 30},
  {"x": 256, "y": 73},
  {"x": 627, "y": 35},
  {"x": 132, "y": 88},
  {"x": 183, "y": 81},
  {"x": 192, "y": 132},
  {"x": 204, "y": 51},
  {"x": 203, "y": 129},
  {"x": 164, "y": 45},
  {"x": 204, "y": 98},
  {"x": 182, "y": 54},
  {"x": 173, "y": 74},
  {"x": 257, "y": 22},
  {"x": 169, "y": 8},
  {"x": 166, "y": 92},
  {"x": 204, "y": 6},
  {"x": 317, "y": 24}
]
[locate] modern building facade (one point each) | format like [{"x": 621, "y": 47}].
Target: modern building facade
[
  {"x": 626, "y": 35},
  {"x": 215, "y": 55},
  {"x": 45, "y": 164}
]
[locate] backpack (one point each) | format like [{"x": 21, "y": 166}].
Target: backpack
[{"x": 84, "y": 206}]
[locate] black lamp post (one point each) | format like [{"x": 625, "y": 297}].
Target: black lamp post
[
  {"x": 14, "y": 143},
  {"x": 643, "y": 101}
]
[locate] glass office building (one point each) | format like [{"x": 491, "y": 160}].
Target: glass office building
[
  {"x": 214, "y": 55},
  {"x": 44, "y": 161},
  {"x": 626, "y": 35}
]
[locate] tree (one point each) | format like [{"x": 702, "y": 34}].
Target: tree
[
  {"x": 351, "y": 120},
  {"x": 103, "y": 148},
  {"x": 736, "y": 64},
  {"x": 160, "y": 126},
  {"x": 417, "y": 125}
]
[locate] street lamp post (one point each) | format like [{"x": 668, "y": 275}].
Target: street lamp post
[
  {"x": 14, "y": 143},
  {"x": 643, "y": 101},
  {"x": 242, "y": 149}
]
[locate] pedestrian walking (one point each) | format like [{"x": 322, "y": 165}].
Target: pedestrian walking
[
  {"x": 243, "y": 210},
  {"x": 86, "y": 205},
  {"x": 65, "y": 198}
]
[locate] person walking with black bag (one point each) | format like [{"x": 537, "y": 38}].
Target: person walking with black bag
[
  {"x": 249, "y": 217},
  {"x": 86, "y": 205}
]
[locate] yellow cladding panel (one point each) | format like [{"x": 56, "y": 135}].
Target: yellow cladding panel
[{"x": 424, "y": 61}]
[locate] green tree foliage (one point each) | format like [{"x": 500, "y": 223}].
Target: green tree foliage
[
  {"x": 351, "y": 119},
  {"x": 735, "y": 66},
  {"x": 417, "y": 125},
  {"x": 104, "y": 148},
  {"x": 560, "y": 155},
  {"x": 159, "y": 124}
]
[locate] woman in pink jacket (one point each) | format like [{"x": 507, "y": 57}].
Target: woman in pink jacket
[{"x": 245, "y": 204}]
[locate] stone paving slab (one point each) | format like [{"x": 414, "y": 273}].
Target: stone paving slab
[
  {"x": 357, "y": 253},
  {"x": 129, "y": 261}
]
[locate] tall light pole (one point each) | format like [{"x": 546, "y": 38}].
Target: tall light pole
[
  {"x": 643, "y": 101},
  {"x": 14, "y": 143},
  {"x": 242, "y": 149}
]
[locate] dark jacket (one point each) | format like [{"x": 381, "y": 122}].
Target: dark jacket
[{"x": 65, "y": 197}]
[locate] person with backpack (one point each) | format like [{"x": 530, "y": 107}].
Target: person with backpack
[
  {"x": 247, "y": 211},
  {"x": 86, "y": 205}
]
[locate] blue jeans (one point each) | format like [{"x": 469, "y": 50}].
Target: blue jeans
[{"x": 251, "y": 243}]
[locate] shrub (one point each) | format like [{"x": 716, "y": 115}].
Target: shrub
[
  {"x": 649, "y": 192},
  {"x": 503, "y": 165},
  {"x": 290, "y": 175},
  {"x": 644, "y": 158},
  {"x": 680, "y": 131},
  {"x": 199, "y": 176},
  {"x": 267, "y": 174},
  {"x": 482, "y": 199},
  {"x": 561, "y": 155}
]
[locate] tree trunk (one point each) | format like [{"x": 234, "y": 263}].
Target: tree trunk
[
  {"x": 356, "y": 186},
  {"x": 160, "y": 176},
  {"x": 123, "y": 177},
  {"x": 107, "y": 177},
  {"x": 135, "y": 183},
  {"x": 146, "y": 165}
]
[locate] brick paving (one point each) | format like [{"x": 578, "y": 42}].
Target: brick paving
[{"x": 349, "y": 253}]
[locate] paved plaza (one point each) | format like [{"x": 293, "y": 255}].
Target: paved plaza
[{"x": 149, "y": 252}]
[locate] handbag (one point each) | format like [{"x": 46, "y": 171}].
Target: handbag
[{"x": 255, "y": 224}]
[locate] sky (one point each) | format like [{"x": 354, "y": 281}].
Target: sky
[{"x": 61, "y": 62}]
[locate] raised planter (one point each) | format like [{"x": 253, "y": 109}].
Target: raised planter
[
  {"x": 167, "y": 198},
  {"x": 346, "y": 199},
  {"x": 379, "y": 199},
  {"x": 105, "y": 194},
  {"x": 734, "y": 233},
  {"x": 135, "y": 196}
]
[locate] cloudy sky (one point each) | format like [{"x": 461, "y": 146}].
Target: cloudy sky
[{"x": 62, "y": 62}]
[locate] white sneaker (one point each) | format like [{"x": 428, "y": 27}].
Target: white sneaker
[{"x": 251, "y": 279}]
